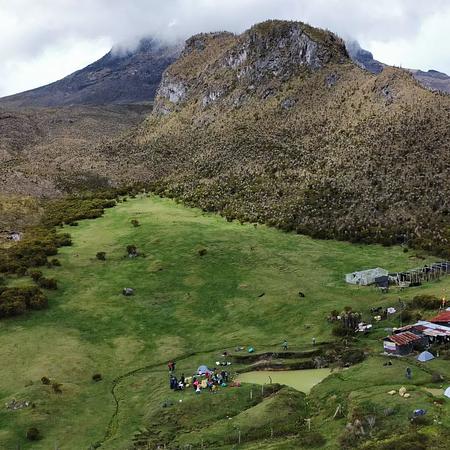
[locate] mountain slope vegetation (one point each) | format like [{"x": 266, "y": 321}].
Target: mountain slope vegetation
[
  {"x": 45, "y": 152},
  {"x": 278, "y": 125},
  {"x": 120, "y": 77}
]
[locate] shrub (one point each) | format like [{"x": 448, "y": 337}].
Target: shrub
[
  {"x": 55, "y": 262},
  {"x": 135, "y": 222},
  {"x": 202, "y": 251},
  {"x": 406, "y": 315},
  {"x": 340, "y": 331},
  {"x": 97, "y": 377},
  {"x": 420, "y": 421},
  {"x": 312, "y": 439},
  {"x": 353, "y": 356},
  {"x": 101, "y": 256},
  {"x": 35, "y": 274},
  {"x": 33, "y": 434},
  {"x": 436, "y": 377},
  {"x": 132, "y": 250},
  {"x": 45, "y": 380},
  {"x": 48, "y": 283},
  {"x": 15, "y": 301},
  {"x": 426, "y": 302}
]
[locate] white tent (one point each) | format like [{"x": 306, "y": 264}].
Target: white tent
[
  {"x": 447, "y": 392},
  {"x": 365, "y": 277},
  {"x": 425, "y": 356}
]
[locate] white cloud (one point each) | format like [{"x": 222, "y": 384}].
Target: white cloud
[{"x": 46, "y": 39}]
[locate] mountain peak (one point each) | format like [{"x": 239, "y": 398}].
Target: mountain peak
[{"x": 215, "y": 65}]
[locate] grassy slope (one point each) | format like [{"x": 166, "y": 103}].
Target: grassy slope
[{"x": 184, "y": 303}]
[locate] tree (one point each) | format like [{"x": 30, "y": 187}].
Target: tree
[
  {"x": 33, "y": 434},
  {"x": 132, "y": 250},
  {"x": 101, "y": 256},
  {"x": 48, "y": 283}
]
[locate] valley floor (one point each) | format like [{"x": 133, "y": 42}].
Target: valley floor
[{"x": 243, "y": 291}]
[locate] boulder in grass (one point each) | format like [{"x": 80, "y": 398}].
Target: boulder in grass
[{"x": 128, "y": 292}]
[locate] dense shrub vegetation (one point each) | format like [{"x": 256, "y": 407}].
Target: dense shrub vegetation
[
  {"x": 15, "y": 301},
  {"x": 40, "y": 243}
]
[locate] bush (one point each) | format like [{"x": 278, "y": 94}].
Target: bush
[
  {"x": 15, "y": 301},
  {"x": 406, "y": 315},
  {"x": 35, "y": 274},
  {"x": 135, "y": 223},
  {"x": 312, "y": 439},
  {"x": 45, "y": 380},
  {"x": 48, "y": 283},
  {"x": 132, "y": 250},
  {"x": 33, "y": 434},
  {"x": 202, "y": 251},
  {"x": 101, "y": 256},
  {"x": 97, "y": 377},
  {"x": 55, "y": 262},
  {"x": 421, "y": 421},
  {"x": 340, "y": 331},
  {"x": 426, "y": 302},
  {"x": 353, "y": 356},
  {"x": 436, "y": 377}
]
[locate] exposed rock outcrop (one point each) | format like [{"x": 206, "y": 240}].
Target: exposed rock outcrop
[{"x": 259, "y": 60}]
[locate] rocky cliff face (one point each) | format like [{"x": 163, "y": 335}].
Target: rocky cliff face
[
  {"x": 116, "y": 78},
  {"x": 257, "y": 62},
  {"x": 363, "y": 58}
]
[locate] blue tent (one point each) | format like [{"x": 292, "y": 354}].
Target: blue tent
[
  {"x": 202, "y": 370},
  {"x": 425, "y": 356}
]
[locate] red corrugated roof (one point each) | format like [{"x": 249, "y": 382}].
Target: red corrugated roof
[
  {"x": 404, "y": 338},
  {"x": 444, "y": 316}
]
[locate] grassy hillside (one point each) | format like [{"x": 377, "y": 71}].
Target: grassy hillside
[
  {"x": 190, "y": 308},
  {"x": 47, "y": 151}
]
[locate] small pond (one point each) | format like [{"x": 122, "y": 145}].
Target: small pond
[{"x": 302, "y": 380}]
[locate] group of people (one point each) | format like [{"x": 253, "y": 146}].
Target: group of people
[{"x": 208, "y": 380}]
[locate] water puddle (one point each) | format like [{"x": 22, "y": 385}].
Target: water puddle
[{"x": 302, "y": 380}]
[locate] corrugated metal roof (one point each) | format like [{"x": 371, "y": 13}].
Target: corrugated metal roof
[
  {"x": 404, "y": 338},
  {"x": 436, "y": 332},
  {"x": 444, "y": 316}
]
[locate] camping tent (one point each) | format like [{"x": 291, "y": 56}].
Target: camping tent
[
  {"x": 203, "y": 370},
  {"x": 447, "y": 392},
  {"x": 365, "y": 277},
  {"x": 425, "y": 356}
]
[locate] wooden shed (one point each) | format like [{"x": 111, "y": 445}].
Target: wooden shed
[{"x": 403, "y": 343}]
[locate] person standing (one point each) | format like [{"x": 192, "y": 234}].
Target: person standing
[
  {"x": 408, "y": 373},
  {"x": 285, "y": 345}
]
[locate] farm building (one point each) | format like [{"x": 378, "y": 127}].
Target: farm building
[
  {"x": 403, "y": 343},
  {"x": 433, "y": 332},
  {"x": 442, "y": 318},
  {"x": 365, "y": 277}
]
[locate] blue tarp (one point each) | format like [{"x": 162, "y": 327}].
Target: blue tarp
[{"x": 425, "y": 356}]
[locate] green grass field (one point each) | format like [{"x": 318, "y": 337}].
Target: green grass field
[{"x": 189, "y": 308}]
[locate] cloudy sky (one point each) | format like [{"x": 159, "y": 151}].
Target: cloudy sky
[{"x": 44, "y": 40}]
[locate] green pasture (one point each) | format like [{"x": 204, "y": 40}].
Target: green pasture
[{"x": 243, "y": 291}]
